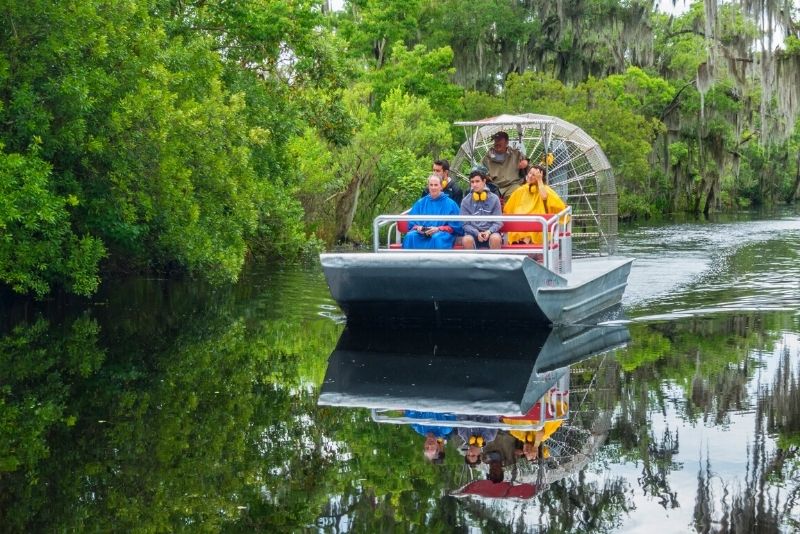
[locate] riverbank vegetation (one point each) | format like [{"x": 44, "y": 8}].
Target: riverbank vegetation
[{"x": 186, "y": 136}]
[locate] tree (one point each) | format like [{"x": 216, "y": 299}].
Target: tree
[{"x": 37, "y": 246}]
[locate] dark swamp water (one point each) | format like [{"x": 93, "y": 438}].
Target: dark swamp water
[{"x": 165, "y": 406}]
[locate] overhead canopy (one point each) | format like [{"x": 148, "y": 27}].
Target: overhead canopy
[{"x": 504, "y": 120}]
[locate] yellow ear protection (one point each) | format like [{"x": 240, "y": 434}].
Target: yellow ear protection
[
  {"x": 444, "y": 184},
  {"x": 476, "y": 440},
  {"x": 439, "y": 440},
  {"x": 479, "y": 197},
  {"x": 547, "y": 160}
]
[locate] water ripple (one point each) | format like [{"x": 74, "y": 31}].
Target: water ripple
[{"x": 712, "y": 268}]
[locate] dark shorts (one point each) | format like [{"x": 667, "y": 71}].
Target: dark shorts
[{"x": 484, "y": 244}]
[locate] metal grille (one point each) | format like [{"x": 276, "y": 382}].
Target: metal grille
[{"x": 578, "y": 171}]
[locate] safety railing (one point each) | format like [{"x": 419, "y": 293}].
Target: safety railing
[
  {"x": 555, "y": 248},
  {"x": 385, "y": 416}
]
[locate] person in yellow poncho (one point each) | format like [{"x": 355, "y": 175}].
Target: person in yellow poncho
[
  {"x": 531, "y": 439},
  {"x": 534, "y": 197}
]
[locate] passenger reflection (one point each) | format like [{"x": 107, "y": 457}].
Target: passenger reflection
[
  {"x": 435, "y": 435},
  {"x": 473, "y": 439},
  {"x": 548, "y": 413}
]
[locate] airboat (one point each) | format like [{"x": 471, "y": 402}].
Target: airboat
[
  {"x": 519, "y": 381},
  {"x": 572, "y": 275}
]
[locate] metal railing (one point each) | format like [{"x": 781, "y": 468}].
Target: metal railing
[{"x": 559, "y": 229}]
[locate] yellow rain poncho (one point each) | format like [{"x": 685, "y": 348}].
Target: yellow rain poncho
[{"x": 526, "y": 200}]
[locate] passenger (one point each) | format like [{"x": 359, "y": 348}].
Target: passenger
[
  {"x": 533, "y": 440},
  {"x": 449, "y": 187},
  {"x": 504, "y": 164},
  {"x": 533, "y": 198},
  {"x": 435, "y": 233},
  {"x": 483, "y": 171},
  {"x": 481, "y": 234},
  {"x": 435, "y": 436},
  {"x": 475, "y": 438},
  {"x": 433, "y": 449}
]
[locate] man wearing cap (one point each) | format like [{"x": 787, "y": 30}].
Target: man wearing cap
[
  {"x": 449, "y": 187},
  {"x": 504, "y": 164},
  {"x": 481, "y": 201}
]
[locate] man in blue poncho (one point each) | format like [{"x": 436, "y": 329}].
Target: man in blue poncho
[{"x": 436, "y": 232}]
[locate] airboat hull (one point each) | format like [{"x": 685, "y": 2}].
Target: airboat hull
[
  {"x": 458, "y": 289},
  {"x": 447, "y": 371}
]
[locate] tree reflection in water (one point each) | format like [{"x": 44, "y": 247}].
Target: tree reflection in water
[
  {"x": 766, "y": 499},
  {"x": 165, "y": 408}
]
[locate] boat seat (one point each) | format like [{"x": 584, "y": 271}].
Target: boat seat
[
  {"x": 508, "y": 226},
  {"x": 525, "y": 226}
]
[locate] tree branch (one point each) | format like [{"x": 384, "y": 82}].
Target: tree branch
[{"x": 674, "y": 103}]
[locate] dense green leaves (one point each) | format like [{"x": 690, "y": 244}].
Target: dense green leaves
[
  {"x": 37, "y": 246},
  {"x": 186, "y": 136}
]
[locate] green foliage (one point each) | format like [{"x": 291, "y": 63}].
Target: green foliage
[
  {"x": 400, "y": 141},
  {"x": 640, "y": 92},
  {"x": 39, "y": 364},
  {"x": 37, "y": 246},
  {"x": 421, "y": 73},
  {"x": 597, "y": 106},
  {"x": 180, "y": 180},
  {"x": 371, "y": 27},
  {"x": 165, "y": 146},
  {"x": 792, "y": 45}
]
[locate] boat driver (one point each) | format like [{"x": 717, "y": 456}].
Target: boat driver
[{"x": 504, "y": 164}]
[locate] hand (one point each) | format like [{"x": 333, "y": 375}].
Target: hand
[
  {"x": 483, "y": 236},
  {"x": 523, "y": 163},
  {"x": 432, "y": 230}
]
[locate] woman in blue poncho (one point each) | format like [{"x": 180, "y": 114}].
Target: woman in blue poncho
[{"x": 433, "y": 233}]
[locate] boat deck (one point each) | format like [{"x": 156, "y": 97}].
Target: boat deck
[{"x": 586, "y": 269}]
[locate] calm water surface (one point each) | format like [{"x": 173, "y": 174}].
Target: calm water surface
[{"x": 171, "y": 406}]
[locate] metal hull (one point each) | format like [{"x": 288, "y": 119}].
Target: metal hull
[
  {"x": 447, "y": 371},
  {"x": 458, "y": 288}
]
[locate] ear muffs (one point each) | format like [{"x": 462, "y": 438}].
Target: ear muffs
[
  {"x": 479, "y": 197},
  {"x": 444, "y": 183},
  {"x": 476, "y": 440}
]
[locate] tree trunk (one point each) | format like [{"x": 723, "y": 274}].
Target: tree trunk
[
  {"x": 346, "y": 207},
  {"x": 379, "y": 49},
  {"x": 709, "y": 191},
  {"x": 698, "y": 196},
  {"x": 710, "y": 197},
  {"x": 796, "y": 189}
]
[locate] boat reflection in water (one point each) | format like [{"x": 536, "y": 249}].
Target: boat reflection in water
[{"x": 506, "y": 402}]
